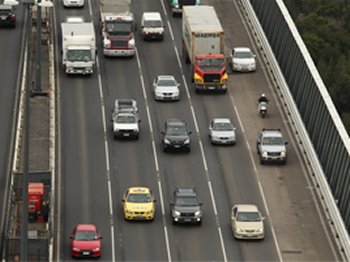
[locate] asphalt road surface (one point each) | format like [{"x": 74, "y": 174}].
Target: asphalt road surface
[{"x": 96, "y": 169}]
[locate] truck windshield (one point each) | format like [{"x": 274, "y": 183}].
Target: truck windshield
[
  {"x": 210, "y": 64},
  {"x": 79, "y": 55},
  {"x": 119, "y": 28}
]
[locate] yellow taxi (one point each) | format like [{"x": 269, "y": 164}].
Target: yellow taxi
[{"x": 139, "y": 204}]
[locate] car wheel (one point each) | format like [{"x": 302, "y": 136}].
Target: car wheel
[
  {"x": 188, "y": 150},
  {"x": 262, "y": 162},
  {"x": 137, "y": 137},
  {"x": 165, "y": 149},
  {"x": 174, "y": 222},
  {"x": 199, "y": 223}
]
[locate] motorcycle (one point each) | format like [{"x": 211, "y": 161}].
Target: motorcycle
[{"x": 262, "y": 109}]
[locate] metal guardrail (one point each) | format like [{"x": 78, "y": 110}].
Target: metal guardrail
[{"x": 316, "y": 172}]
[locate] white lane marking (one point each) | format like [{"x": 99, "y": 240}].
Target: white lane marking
[
  {"x": 108, "y": 171},
  {"x": 200, "y": 144},
  {"x": 149, "y": 118}
]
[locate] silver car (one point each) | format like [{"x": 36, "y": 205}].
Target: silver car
[
  {"x": 242, "y": 59},
  {"x": 247, "y": 222},
  {"x": 166, "y": 88},
  {"x": 222, "y": 131}
]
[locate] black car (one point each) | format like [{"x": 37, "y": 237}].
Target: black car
[
  {"x": 7, "y": 16},
  {"x": 186, "y": 207},
  {"x": 176, "y": 136}
]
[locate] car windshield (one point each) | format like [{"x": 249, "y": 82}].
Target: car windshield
[
  {"x": 187, "y": 201},
  {"x": 223, "y": 126},
  {"x": 277, "y": 141},
  {"x": 166, "y": 82},
  {"x": 153, "y": 23},
  {"x": 118, "y": 28},
  {"x": 243, "y": 54},
  {"x": 139, "y": 198},
  {"x": 125, "y": 119},
  {"x": 248, "y": 217},
  {"x": 85, "y": 235},
  {"x": 79, "y": 55},
  {"x": 176, "y": 131}
]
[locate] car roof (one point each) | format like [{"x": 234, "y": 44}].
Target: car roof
[
  {"x": 5, "y": 7},
  {"x": 246, "y": 208},
  {"x": 166, "y": 77},
  {"x": 152, "y": 15},
  {"x": 272, "y": 132},
  {"x": 86, "y": 227},
  {"x": 221, "y": 120},
  {"x": 139, "y": 190},
  {"x": 242, "y": 49},
  {"x": 185, "y": 191},
  {"x": 175, "y": 121}
]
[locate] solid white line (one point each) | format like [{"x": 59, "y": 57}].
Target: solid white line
[{"x": 155, "y": 156}]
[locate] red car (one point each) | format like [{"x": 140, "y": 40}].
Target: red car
[{"x": 86, "y": 241}]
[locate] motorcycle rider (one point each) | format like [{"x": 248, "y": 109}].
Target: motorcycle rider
[{"x": 263, "y": 98}]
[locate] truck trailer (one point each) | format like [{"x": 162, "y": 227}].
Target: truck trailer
[
  {"x": 78, "y": 46},
  {"x": 117, "y": 28},
  {"x": 203, "y": 47}
]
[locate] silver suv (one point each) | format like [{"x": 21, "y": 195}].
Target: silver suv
[
  {"x": 125, "y": 119},
  {"x": 271, "y": 147}
]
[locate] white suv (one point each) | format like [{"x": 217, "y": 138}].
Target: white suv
[{"x": 152, "y": 26}]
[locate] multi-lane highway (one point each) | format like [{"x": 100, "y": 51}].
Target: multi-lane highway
[{"x": 95, "y": 169}]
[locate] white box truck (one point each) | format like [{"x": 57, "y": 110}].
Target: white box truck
[
  {"x": 78, "y": 46},
  {"x": 117, "y": 28},
  {"x": 203, "y": 47}
]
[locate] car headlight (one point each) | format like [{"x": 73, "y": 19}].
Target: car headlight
[
  {"x": 158, "y": 93},
  {"x": 176, "y": 6},
  {"x": 239, "y": 230},
  {"x": 260, "y": 230},
  {"x": 264, "y": 153},
  {"x": 128, "y": 211},
  {"x": 197, "y": 213},
  {"x": 149, "y": 212},
  {"x": 76, "y": 249},
  {"x": 283, "y": 153},
  {"x": 166, "y": 141},
  {"x": 96, "y": 249},
  {"x": 177, "y": 213},
  {"x": 135, "y": 130},
  {"x": 187, "y": 141}
]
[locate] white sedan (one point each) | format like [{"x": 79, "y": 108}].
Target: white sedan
[
  {"x": 166, "y": 88},
  {"x": 222, "y": 131},
  {"x": 73, "y": 3},
  {"x": 242, "y": 59}
]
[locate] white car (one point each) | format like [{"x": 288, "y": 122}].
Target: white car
[
  {"x": 242, "y": 59},
  {"x": 152, "y": 26},
  {"x": 73, "y": 3},
  {"x": 247, "y": 222},
  {"x": 222, "y": 131},
  {"x": 166, "y": 88}
]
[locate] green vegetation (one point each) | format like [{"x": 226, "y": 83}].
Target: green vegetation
[{"x": 325, "y": 27}]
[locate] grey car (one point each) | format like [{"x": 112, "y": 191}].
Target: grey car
[
  {"x": 222, "y": 131},
  {"x": 186, "y": 207}
]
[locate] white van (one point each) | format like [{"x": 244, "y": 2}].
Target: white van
[{"x": 152, "y": 26}]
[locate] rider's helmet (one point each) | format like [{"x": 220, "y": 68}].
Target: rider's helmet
[{"x": 262, "y": 95}]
